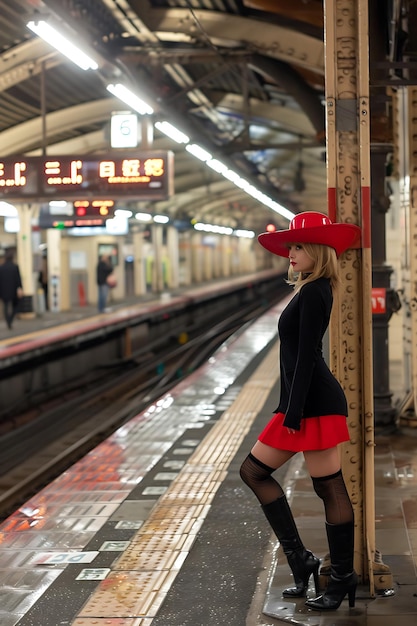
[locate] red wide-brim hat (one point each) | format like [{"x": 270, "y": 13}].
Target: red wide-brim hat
[{"x": 312, "y": 227}]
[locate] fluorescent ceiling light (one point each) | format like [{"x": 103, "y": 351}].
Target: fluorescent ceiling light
[
  {"x": 198, "y": 152},
  {"x": 242, "y": 183},
  {"x": 278, "y": 208},
  {"x": 217, "y": 166},
  {"x": 127, "y": 96},
  {"x": 172, "y": 132},
  {"x": 161, "y": 219},
  {"x": 143, "y": 217},
  {"x": 11, "y": 225},
  {"x": 231, "y": 175},
  {"x": 213, "y": 228},
  {"x": 8, "y": 210},
  {"x": 248, "y": 234},
  {"x": 62, "y": 44},
  {"x": 123, "y": 213}
]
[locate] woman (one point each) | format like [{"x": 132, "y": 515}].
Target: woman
[{"x": 312, "y": 411}]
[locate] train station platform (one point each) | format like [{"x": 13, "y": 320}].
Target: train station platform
[
  {"x": 155, "y": 528},
  {"x": 24, "y": 323},
  {"x": 35, "y": 321}
]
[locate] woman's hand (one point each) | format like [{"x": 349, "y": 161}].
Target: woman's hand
[{"x": 291, "y": 431}]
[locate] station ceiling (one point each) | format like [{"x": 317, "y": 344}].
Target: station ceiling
[{"x": 243, "y": 78}]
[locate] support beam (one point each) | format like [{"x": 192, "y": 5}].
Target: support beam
[{"x": 348, "y": 179}]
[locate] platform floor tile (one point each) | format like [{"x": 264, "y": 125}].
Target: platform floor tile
[
  {"x": 129, "y": 594},
  {"x": 111, "y": 621},
  {"x": 142, "y": 576}
]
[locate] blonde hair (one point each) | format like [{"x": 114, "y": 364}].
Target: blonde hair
[{"x": 325, "y": 266}]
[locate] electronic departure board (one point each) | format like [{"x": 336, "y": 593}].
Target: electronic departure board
[{"x": 142, "y": 175}]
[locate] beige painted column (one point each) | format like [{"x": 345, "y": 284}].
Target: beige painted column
[
  {"x": 173, "y": 255},
  {"x": 185, "y": 258},
  {"x": 196, "y": 258},
  {"x": 225, "y": 256},
  {"x": 157, "y": 278},
  {"x": 208, "y": 262},
  {"x": 24, "y": 256},
  {"x": 246, "y": 255},
  {"x": 348, "y": 180},
  {"x": 56, "y": 285},
  {"x": 139, "y": 265}
]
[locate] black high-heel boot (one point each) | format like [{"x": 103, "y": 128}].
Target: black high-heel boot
[
  {"x": 343, "y": 579},
  {"x": 302, "y": 562},
  {"x": 335, "y": 593}
]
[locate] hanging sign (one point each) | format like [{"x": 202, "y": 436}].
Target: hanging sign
[{"x": 138, "y": 175}]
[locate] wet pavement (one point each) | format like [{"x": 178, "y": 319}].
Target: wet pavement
[{"x": 235, "y": 571}]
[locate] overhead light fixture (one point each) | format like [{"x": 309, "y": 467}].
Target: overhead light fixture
[
  {"x": 8, "y": 210},
  {"x": 244, "y": 234},
  {"x": 198, "y": 152},
  {"x": 172, "y": 132},
  {"x": 126, "y": 213},
  {"x": 143, "y": 217},
  {"x": 56, "y": 39},
  {"x": 217, "y": 166},
  {"x": 161, "y": 219},
  {"x": 130, "y": 98},
  {"x": 213, "y": 228}
]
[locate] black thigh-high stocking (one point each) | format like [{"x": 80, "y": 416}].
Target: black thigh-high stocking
[
  {"x": 258, "y": 477},
  {"x": 337, "y": 505},
  {"x": 275, "y": 506},
  {"x": 340, "y": 535}
]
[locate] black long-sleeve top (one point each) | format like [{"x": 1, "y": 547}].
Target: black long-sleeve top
[
  {"x": 10, "y": 280},
  {"x": 308, "y": 388},
  {"x": 103, "y": 271}
]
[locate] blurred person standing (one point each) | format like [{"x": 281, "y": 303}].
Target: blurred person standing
[
  {"x": 43, "y": 280},
  {"x": 10, "y": 287},
  {"x": 104, "y": 269}
]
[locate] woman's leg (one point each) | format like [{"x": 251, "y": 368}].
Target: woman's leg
[
  {"x": 324, "y": 468},
  {"x": 257, "y": 468},
  {"x": 256, "y": 472}
]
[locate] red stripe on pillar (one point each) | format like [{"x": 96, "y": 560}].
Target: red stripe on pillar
[
  {"x": 331, "y": 203},
  {"x": 366, "y": 217}
]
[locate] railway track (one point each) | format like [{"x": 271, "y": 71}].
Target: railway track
[{"x": 61, "y": 430}]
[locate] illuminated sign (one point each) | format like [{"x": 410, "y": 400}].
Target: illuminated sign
[
  {"x": 137, "y": 175},
  {"x": 100, "y": 208},
  {"x": 79, "y": 213},
  {"x": 124, "y": 130}
]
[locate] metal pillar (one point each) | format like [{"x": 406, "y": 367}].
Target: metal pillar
[
  {"x": 348, "y": 179},
  {"x": 412, "y": 168},
  {"x": 405, "y": 167},
  {"x": 381, "y": 145},
  {"x": 384, "y": 411}
]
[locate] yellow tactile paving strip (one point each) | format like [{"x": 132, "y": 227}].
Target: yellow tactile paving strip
[{"x": 133, "y": 592}]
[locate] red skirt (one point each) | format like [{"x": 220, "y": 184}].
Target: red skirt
[{"x": 316, "y": 433}]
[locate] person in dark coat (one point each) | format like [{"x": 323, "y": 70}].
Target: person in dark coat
[
  {"x": 104, "y": 269},
  {"x": 312, "y": 409},
  {"x": 10, "y": 287}
]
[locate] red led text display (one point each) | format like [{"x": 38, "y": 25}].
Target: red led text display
[{"x": 142, "y": 175}]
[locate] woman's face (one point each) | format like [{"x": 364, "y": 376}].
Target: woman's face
[{"x": 299, "y": 258}]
